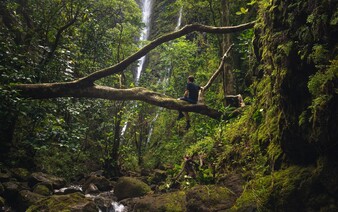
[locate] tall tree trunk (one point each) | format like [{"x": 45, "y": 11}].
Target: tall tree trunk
[
  {"x": 117, "y": 140},
  {"x": 227, "y": 75}
]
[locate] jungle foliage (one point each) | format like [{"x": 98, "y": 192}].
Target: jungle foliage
[{"x": 282, "y": 145}]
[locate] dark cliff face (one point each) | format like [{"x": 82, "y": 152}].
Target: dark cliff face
[{"x": 296, "y": 45}]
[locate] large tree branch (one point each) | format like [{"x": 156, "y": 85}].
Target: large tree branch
[
  {"x": 85, "y": 87},
  {"x": 54, "y": 90},
  {"x": 90, "y": 79}
]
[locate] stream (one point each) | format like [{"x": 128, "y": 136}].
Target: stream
[{"x": 105, "y": 201}]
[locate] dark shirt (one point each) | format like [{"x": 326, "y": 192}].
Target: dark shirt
[{"x": 193, "y": 92}]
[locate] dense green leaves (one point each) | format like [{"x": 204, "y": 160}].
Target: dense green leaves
[{"x": 52, "y": 41}]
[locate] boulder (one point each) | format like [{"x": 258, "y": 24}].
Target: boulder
[
  {"x": 172, "y": 201},
  {"x": 42, "y": 189},
  {"x": 27, "y": 198},
  {"x": 20, "y": 174},
  {"x": 105, "y": 200},
  {"x": 209, "y": 198},
  {"x": 12, "y": 189},
  {"x": 46, "y": 179},
  {"x": 127, "y": 187},
  {"x": 158, "y": 176},
  {"x": 102, "y": 183},
  {"x": 69, "y": 202},
  {"x": 92, "y": 189}
]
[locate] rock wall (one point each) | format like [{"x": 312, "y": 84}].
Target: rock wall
[{"x": 296, "y": 50}]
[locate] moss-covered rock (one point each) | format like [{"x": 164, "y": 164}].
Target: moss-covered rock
[
  {"x": 173, "y": 201},
  {"x": 70, "y": 202},
  {"x": 287, "y": 190},
  {"x": 157, "y": 176},
  {"x": 39, "y": 177},
  {"x": 27, "y": 198},
  {"x": 127, "y": 187},
  {"x": 42, "y": 189},
  {"x": 20, "y": 174},
  {"x": 102, "y": 183},
  {"x": 12, "y": 189},
  {"x": 209, "y": 198}
]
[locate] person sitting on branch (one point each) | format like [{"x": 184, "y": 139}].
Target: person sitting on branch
[{"x": 191, "y": 96}]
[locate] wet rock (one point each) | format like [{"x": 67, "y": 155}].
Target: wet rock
[
  {"x": 27, "y": 198},
  {"x": 20, "y": 174},
  {"x": 72, "y": 189},
  {"x": 92, "y": 189},
  {"x": 68, "y": 190},
  {"x": 69, "y": 202},
  {"x": 102, "y": 183},
  {"x": 42, "y": 189},
  {"x": 127, "y": 187},
  {"x": 104, "y": 200},
  {"x": 39, "y": 177}
]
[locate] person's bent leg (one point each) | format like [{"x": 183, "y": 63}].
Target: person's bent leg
[
  {"x": 187, "y": 118},
  {"x": 180, "y": 115}
]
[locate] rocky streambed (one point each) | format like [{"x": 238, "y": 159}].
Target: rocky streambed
[{"x": 24, "y": 191}]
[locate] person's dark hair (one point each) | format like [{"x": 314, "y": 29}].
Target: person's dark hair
[{"x": 191, "y": 78}]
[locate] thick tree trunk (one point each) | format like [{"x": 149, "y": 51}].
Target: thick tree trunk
[{"x": 227, "y": 75}]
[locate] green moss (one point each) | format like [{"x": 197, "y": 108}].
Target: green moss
[
  {"x": 286, "y": 48},
  {"x": 127, "y": 187},
  {"x": 42, "y": 189},
  {"x": 20, "y": 173},
  {"x": 274, "y": 191},
  {"x": 70, "y": 202},
  {"x": 173, "y": 201},
  {"x": 209, "y": 198}
]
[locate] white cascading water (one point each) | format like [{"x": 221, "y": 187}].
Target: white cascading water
[
  {"x": 179, "y": 20},
  {"x": 146, "y": 14},
  {"x": 165, "y": 79}
]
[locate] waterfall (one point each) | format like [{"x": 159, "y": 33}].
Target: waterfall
[
  {"x": 179, "y": 20},
  {"x": 146, "y": 15},
  {"x": 165, "y": 81}
]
